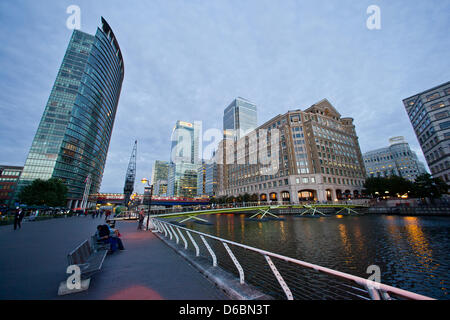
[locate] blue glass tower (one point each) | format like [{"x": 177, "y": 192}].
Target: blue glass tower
[{"x": 72, "y": 140}]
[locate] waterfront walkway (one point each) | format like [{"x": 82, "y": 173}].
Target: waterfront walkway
[{"x": 33, "y": 263}]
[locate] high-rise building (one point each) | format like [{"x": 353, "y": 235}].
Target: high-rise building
[
  {"x": 185, "y": 142},
  {"x": 160, "y": 176},
  {"x": 429, "y": 113},
  {"x": 201, "y": 176},
  {"x": 9, "y": 176},
  {"x": 185, "y": 160},
  {"x": 239, "y": 118},
  {"x": 72, "y": 140},
  {"x": 298, "y": 156},
  {"x": 182, "y": 180},
  {"x": 396, "y": 160},
  {"x": 211, "y": 179}
]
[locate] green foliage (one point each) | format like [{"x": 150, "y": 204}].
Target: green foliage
[
  {"x": 424, "y": 187},
  {"x": 52, "y": 192}
]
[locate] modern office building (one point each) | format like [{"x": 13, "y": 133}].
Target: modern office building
[
  {"x": 201, "y": 176},
  {"x": 185, "y": 160},
  {"x": 72, "y": 140},
  {"x": 160, "y": 175},
  {"x": 310, "y": 155},
  {"x": 395, "y": 160},
  {"x": 9, "y": 176},
  {"x": 239, "y": 118},
  {"x": 182, "y": 180},
  {"x": 211, "y": 179},
  {"x": 185, "y": 142},
  {"x": 429, "y": 113}
]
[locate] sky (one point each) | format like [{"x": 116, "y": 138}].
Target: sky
[{"x": 187, "y": 60}]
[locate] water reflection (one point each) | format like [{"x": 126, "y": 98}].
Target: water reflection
[{"x": 412, "y": 252}]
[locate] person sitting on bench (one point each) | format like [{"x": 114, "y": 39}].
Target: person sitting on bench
[{"x": 108, "y": 236}]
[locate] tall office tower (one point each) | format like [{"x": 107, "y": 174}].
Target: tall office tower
[
  {"x": 239, "y": 118},
  {"x": 185, "y": 142},
  {"x": 185, "y": 160},
  {"x": 201, "y": 176},
  {"x": 396, "y": 160},
  {"x": 160, "y": 175},
  {"x": 429, "y": 113},
  {"x": 72, "y": 140},
  {"x": 313, "y": 155},
  {"x": 211, "y": 179}
]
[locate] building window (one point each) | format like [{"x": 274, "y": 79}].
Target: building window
[
  {"x": 445, "y": 125},
  {"x": 441, "y": 115},
  {"x": 433, "y": 96}
]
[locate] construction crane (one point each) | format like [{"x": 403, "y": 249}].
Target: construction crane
[{"x": 130, "y": 176}]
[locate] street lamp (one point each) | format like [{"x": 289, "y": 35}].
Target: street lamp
[{"x": 146, "y": 181}]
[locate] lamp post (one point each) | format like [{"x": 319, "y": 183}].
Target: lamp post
[{"x": 146, "y": 181}]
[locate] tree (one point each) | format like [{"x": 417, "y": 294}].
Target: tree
[
  {"x": 426, "y": 186},
  {"x": 52, "y": 192},
  {"x": 394, "y": 185},
  {"x": 375, "y": 186}
]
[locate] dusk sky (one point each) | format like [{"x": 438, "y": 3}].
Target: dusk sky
[{"x": 187, "y": 60}]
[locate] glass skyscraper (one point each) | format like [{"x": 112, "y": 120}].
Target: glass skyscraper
[
  {"x": 72, "y": 140},
  {"x": 185, "y": 160},
  {"x": 239, "y": 118},
  {"x": 160, "y": 175}
]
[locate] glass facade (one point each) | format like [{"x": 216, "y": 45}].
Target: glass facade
[
  {"x": 185, "y": 161},
  {"x": 160, "y": 175},
  {"x": 211, "y": 179},
  {"x": 73, "y": 136},
  {"x": 182, "y": 180},
  {"x": 185, "y": 142},
  {"x": 239, "y": 118}
]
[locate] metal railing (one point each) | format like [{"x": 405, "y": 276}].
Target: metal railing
[
  {"x": 251, "y": 204},
  {"x": 276, "y": 275}
]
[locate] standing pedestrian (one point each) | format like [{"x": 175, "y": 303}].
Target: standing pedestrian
[
  {"x": 141, "y": 219},
  {"x": 18, "y": 216}
]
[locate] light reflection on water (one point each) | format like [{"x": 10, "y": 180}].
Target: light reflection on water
[{"x": 412, "y": 252}]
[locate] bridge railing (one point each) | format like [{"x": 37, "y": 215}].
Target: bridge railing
[
  {"x": 276, "y": 275},
  {"x": 127, "y": 214},
  {"x": 251, "y": 204}
]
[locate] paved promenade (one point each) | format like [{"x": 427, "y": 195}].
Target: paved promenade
[{"x": 33, "y": 263}]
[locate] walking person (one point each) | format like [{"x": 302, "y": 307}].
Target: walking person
[
  {"x": 141, "y": 219},
  {"x": 18, "y": 216}
]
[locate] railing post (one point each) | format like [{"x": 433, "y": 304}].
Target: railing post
[
  {"x": 280, "y": 279},
  {"x": 174, "y": 233},
  {"x": 197, "y": 249},
  {"x": 211, "y": 252},
  {"x": 164, "y": 228},
  {"x": 168, "y": 230},
  {"x": 183, "y": 238},
  {"x": 236, "y": 263}
]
